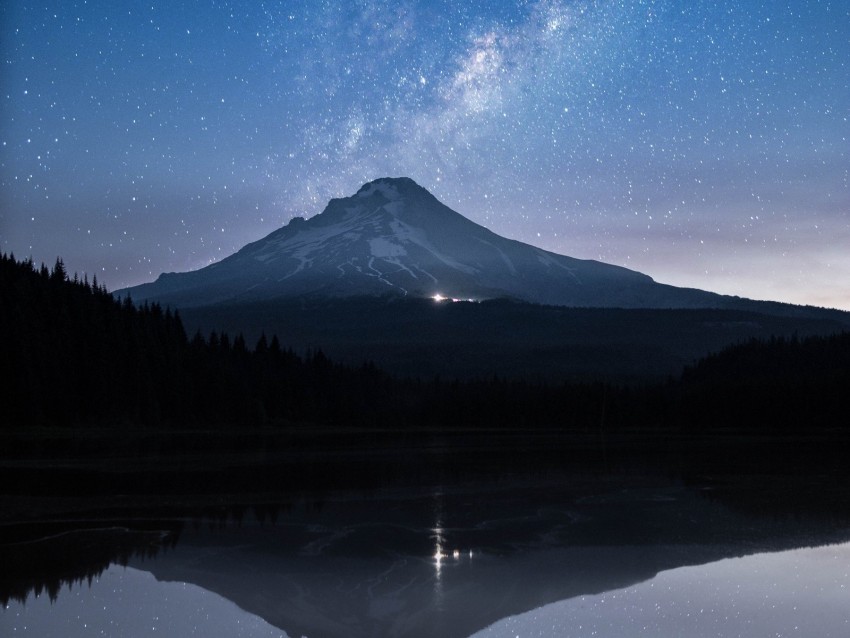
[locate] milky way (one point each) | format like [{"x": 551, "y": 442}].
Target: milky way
[{"x": 705, "y": 144}]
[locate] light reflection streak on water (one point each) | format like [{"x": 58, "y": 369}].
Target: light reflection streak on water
[
  {"x": 441, "y": 553},
  {"x": 439, "y": 540}
]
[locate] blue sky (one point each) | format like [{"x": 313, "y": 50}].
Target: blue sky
[{"x": 704, "y": 143}]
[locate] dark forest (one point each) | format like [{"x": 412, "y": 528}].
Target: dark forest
[{"x": 74, "y": 356}]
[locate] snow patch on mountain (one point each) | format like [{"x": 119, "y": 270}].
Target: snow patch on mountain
[
  {"x": 381, "y": 276},
  {"x": 382, "y": 247},
  {"x": 394, "y": 208},
  {"x": 382, "y": 186},
  {"x": 548, "y": 260},
  {"x": 306, "y": 241},
  {"x": 417, "y": 236},
  {"x": 502, "y": 254}
]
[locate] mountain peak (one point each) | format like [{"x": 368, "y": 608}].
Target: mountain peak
[
  {"x": 394, "y": 237},
  {"x": 391, "y": 188},
  {"x": 390, "y": 184}
]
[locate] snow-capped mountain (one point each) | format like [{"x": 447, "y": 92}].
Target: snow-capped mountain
[{"x": 394, "y": 237}]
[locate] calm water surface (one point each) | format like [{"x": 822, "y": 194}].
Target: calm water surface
[{"x": 532, "y": 556}]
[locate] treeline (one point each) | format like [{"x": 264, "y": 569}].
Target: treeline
[
  {"x": 73, "y": 355},
  {"x": 781, "y": 384}
]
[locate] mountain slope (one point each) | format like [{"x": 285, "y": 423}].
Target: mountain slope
[{"x": 394, "y": 237}]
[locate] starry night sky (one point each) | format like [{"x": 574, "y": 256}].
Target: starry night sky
[{"x": 702, "y": 143}]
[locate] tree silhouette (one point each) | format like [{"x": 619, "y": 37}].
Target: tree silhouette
[{"x": 72, "y": 355}]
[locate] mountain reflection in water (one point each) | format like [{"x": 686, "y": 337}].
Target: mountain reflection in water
[
  {"x": 803, "y": 592},
  {"x": 453, "y": 560},
  {"x": 126, "y": 602}
]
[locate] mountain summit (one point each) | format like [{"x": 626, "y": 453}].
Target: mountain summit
[{"x": 394, "y": 238}]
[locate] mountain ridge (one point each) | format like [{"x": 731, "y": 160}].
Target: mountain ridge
[{"x": 394, "y": 237}]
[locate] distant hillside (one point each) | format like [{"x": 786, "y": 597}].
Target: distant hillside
[
  {"x": 73, "y": 356},
  {"x": 421, "y": 337}
]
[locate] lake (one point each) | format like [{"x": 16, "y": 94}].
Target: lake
[{"x": 541, "y": 538}]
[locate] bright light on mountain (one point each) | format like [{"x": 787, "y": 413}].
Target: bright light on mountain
[{"x": 439, "y": 298}]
